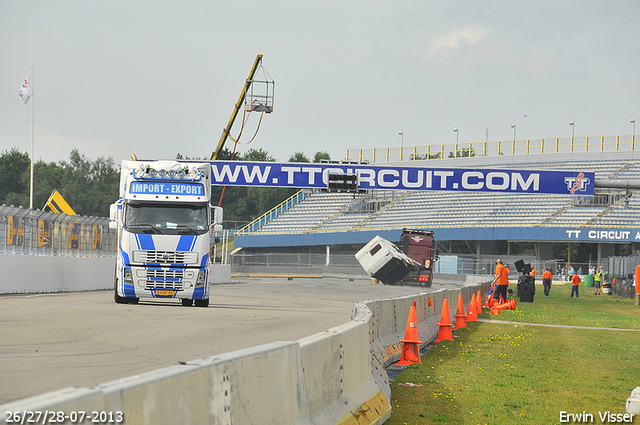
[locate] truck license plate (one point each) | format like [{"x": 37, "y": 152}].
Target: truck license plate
[{"x": 165, "y": 292}]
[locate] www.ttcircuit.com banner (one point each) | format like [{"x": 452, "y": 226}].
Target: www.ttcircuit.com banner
[{"x": 299, "y": 175}]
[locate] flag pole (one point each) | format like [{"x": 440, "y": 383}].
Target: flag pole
[{"x": 33, "y": 110}]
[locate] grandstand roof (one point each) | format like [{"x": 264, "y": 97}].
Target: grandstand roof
[{"x": 323, "y": 218}]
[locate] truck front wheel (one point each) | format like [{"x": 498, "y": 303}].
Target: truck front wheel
[
  {"x": 202, "y": 303},
  {"x": 117, "y": 298}
]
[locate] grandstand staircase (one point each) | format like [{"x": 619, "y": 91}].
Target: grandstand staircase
[
  {"x": 330, "y": 217},
  {"x": 597, "y": 217},
  {"x": 614, "y": 205},
  {"x": 625, "y": 167},
  {"x": 326, "y": 220},
  {"x": 381, "y": 210},
  {"x": 554, "y": 214}
]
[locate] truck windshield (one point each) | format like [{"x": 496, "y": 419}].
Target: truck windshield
[{"x": 171, "y": 219}]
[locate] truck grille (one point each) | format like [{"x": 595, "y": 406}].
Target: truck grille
[
  {"x": 165, "y": 279},
  {"x": 164, "y": 274},
  {"x": 165, "y": 257},
  {"x": 163, "y": 285}
]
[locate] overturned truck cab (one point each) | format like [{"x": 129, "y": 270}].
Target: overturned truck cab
[
  {"x": 383, "y": 260},
  {"x": 420, "y": 246},
  {"x": 164, "y": 220},
  {"x": 410, "y": 262}
]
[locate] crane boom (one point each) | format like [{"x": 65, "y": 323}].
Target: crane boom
[{"x": 225, "y": 132}]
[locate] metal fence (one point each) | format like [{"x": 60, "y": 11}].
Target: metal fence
[
  {"x": 622, "y": 267},
  {"x": 35, "y": 232},
  {"x": 450, "y": 264},
  {"x": 619, "y": 267},
  {"x": 294, "y": 260}
]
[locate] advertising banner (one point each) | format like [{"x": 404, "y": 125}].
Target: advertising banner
[
  {"x": 15, "y": 227},
  {"x": 303, "y": 175},
  {"x": 74, "y": 235},
  {"x": 44, "y": 233},
  {"x": 97, "y": 237}
]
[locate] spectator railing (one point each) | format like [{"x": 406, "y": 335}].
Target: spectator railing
[{"x": 496, "y": 148}]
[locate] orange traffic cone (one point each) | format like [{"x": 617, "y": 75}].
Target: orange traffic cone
[
  {"x": 460, "y": 316},
  {"x": 479, "y": 302},
  {"x": 472, "y": 316},
  {"x": 487, "y": 304},
  {"x": 444, "y": 333},
  {"x": 509, "y": 305},
  {"x": 429, "y": 301},
  {"x": 410, "y": 343}
]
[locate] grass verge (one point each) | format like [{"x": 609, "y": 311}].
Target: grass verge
[{"x": 505, "y": 373}]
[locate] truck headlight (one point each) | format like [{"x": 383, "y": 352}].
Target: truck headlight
[
  {"x": 202, "y": 274},
  {"x": 127, "y": 276}
]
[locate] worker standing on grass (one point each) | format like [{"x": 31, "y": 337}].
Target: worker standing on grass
[
  {"x": 575, "y": 282},
  {"x": 597, "y": 281},
  {"x": 533, "y": 274},
  {"x": 547, "y": 277},
  {"x": 502, "y": 281}
]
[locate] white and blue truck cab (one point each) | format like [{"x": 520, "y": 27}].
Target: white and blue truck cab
[{"x": 164, "y": 220}]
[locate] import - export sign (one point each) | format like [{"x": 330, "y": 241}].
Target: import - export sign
[{"x": 303, "y": 175}]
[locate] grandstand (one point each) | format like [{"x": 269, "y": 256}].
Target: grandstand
[{"x": 607, "y": 218}]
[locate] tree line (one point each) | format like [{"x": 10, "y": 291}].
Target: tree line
[{"x": 90, "y": 186}]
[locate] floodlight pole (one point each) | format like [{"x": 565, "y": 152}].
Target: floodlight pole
[{"x": 33, "y": 110}]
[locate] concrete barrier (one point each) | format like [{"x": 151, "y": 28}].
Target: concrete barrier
[
  {"x": 41, "y": 274},
  {"x": 34, "y": 274},
  {"x": 220, "y": 273},
  {"x": 334, "y": 377}
]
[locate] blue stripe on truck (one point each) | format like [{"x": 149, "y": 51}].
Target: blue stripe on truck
[{"x": 186, "y": 243}]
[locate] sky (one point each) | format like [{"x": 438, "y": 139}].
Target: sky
[{"x": 158, "y": 78}]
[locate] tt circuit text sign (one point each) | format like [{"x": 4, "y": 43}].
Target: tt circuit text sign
[
  {"x": 238, "y": 173},
  {"x": 602, "y": 235}
]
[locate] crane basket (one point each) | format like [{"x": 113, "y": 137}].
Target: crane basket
[{"x": 259, "y": 97}]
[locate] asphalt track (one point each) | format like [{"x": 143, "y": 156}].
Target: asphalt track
[{"x": 53, "y": 341}]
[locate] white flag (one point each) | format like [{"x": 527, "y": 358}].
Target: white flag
[{"x": 25, "y": 91}]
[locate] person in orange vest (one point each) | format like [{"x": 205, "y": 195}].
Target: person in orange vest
[
  {"x": 502, "y": 280},
  {"x": 533, "y": 273},
  {"x": 547, "y": 278},
  {"x": 575, "y": 282}
]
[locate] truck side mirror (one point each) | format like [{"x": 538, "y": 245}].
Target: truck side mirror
[
  {"x": 113, "y": 212},
  {"x": 216, "y": 215},
  {"x": 114, "y": 215}
]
